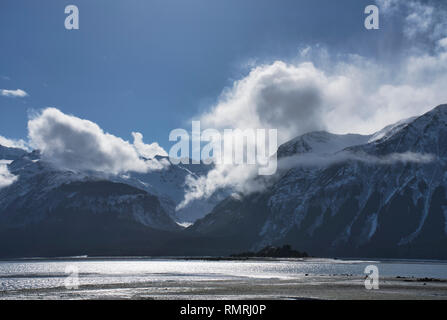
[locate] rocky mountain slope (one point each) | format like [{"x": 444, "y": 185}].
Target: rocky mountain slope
[
  {"x": 51, "y": 211},
  {"x": 11, "y": 153},
  {"x": 169, "y": 186},
  {"x": 383, "y": 196},
  {"x": 380, "y": 195}
]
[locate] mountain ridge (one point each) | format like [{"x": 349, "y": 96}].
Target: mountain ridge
[
  {"x": 380, "y": 195},
  {"x": 351, "y": 207}
]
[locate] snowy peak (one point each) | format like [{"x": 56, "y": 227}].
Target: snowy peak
[
  {"x": 391, "y": 129},
  {"x": 7, "y": 153},
  {"x": 169, "y": 186},
  {"x": 320, "y": 142},
  {"x": 426, "y": 134},
  {"x": 353, "y": 208},
  {"x": 426, "y": 126}
]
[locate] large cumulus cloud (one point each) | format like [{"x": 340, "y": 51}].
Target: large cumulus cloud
[
  {"x": 323, "y": 89},
  {"x": 278, "y": 95},
  {"x": 354, "y": 96},
  {"x": 341, "y": 93},
  {"x": 78, "y": 144}
]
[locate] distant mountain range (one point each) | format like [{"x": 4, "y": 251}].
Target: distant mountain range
[
  {"x": 383, "y": 197},
  {"x": 380, "y": 195}
]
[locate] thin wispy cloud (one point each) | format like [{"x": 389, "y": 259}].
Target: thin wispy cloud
[
  {"x": 419, "y": 19},
  {"x": 18, "y": 93},
  {"x": 318, "y": 160},
  {"x": 13, "y": 143}
]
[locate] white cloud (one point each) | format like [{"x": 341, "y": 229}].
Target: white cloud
[
  {"x": 279, "y": 96},
  {"x": 419, "y": 20},
  {"x": 18, "y": 93},
  {"x": 239, "y": 178},
  {"x": 11, "y": 143},
  {"x": 6, "y": 178},
  {"x": 78, "y": 144},
  {"x": 354, "y": 95},
  {"x": 148, "y": 151},
  {"x": 342, "y": 94}
]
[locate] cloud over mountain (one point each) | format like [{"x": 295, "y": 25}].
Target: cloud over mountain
[
  {"x": 147, "y": 150},
  {"x": 12, "y": 143},
  {"x": 340, "y": 93},
  {"x": 6, "y": 178},
  {"x": 78, "y": 144},
  {"x": 354, "y": 95}
]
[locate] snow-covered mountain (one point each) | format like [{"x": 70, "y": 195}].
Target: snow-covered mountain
[
  {"x": 320, "y": 142},
  {"x": 38, "y": 181},
  {"x": 41, "y": 190},
  {"x": 44, "y": 197},
  {"x": 169, "y": 186},
  {"x": 385, "y": 198},
  {"x": 52, "y": 212},
  {"x": 7, "y": 153},
  {"x": 380, "y": 195}
]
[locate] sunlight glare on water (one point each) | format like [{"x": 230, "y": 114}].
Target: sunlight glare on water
[{"x": 51, "y": 273}]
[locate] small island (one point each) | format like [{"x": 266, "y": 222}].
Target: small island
[{"x": 285, "y": 251}]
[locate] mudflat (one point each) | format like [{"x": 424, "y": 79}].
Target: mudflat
[{"x": 306, "y": 287}]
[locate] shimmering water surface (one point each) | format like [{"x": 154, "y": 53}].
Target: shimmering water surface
[{"x": 37, "y": 274}]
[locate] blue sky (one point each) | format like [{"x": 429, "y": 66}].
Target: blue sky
[
  {"x": 139, "y": 69},
  {"x": 151, "y": 66}
]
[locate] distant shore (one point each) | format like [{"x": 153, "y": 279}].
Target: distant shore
[{"x": 223, "y": 258}]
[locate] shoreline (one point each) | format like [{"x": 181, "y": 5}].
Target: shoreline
[
  {"x": 219, "y": 278},
  {"x": 339, "y": 287}
]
